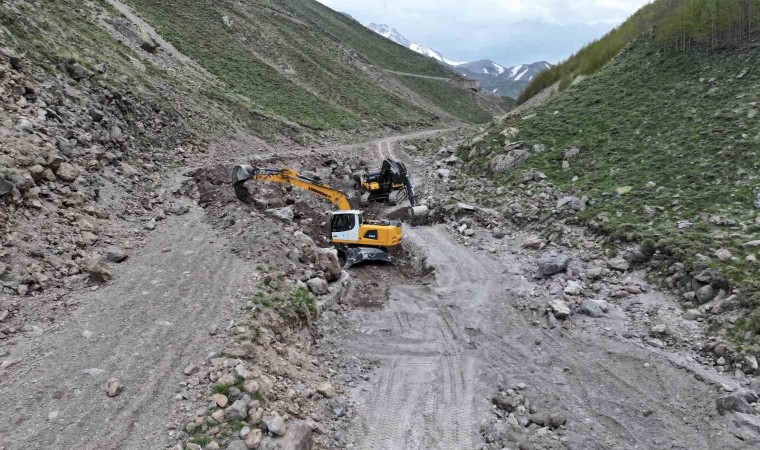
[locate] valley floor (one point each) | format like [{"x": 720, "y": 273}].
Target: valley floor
[{"x": 440, "y": 349}]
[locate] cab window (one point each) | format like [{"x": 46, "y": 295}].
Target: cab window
[{"x": 342, "y": 222}]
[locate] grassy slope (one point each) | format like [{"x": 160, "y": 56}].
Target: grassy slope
[
  {"x": 648, "y": 117},
  {"x": 389, "y": 55},
  {"x": 318, "y": 85}
]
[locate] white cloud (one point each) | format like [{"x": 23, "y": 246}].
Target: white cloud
[{"x": 507, "y": 31}]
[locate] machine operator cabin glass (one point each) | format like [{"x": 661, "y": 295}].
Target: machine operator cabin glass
[{"x": 343, "y": 222}]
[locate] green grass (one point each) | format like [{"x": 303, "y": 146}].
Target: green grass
[
  {"x": 195, "y": 28},
  {"x": 298, "y": 306},
  {"x": 648, "y": 117},
  {"x": 221, "y": 388},
  {"x": 680, "y": 24}
]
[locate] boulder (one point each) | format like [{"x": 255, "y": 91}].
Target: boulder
[
  {"x": 692, "y": 314},
  {"x": 298, "y": 437},
  {"x": 705, "y": 294},
  {"x": 276, "y": 425},
  {"x": 97, "y": 268},
  {"x": 738, "y": 401},
  {"x": 318, "y": 286},
  {"x": 236, "y": 411},
  {"x": 559, "y": 308},
  {"x": 287, "y": 213},
  {"x": 116, "y": 255},
  {"x": 253, "y": 439},
  {"x": 114, "y": 387},
  {"x": 591, "y": 308},
  {"x": 550, "y": 263},
  {"x": 326, "y": 260},
  {"x": 723, "y": 254},
  {"x": 326, "y": 390},
  {"x": 619, "y": 264},
  {"x": 67, "y": 172}
]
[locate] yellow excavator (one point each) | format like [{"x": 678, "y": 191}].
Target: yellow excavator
[{"x": 357, "y": 239}]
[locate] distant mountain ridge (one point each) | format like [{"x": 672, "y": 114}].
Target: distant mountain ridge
[{"x": 493, "y": 77}]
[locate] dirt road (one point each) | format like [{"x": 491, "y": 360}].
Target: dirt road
[
  {"x": 442, "y": 350},
  {"x": 143, "y": 329}
]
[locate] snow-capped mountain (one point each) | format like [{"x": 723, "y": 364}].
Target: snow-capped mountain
[
  {"x": 493, "y": 77},
  {"x": 395, "y": 36}
]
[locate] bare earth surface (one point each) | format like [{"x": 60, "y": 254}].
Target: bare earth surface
[
  {"x": 143, "y": 329},
  {"x": 441, "y": 347}
]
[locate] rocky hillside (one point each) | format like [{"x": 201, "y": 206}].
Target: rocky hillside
[{"x": 659, "y": 148}]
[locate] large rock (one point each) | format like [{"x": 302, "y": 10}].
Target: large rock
[
  {"x": 591, "y": 308},
  {"x": 114, "y": 387},
  {"x": 77, "y": 71},
  {"x": 318, "y": 286},
  {"x": 67, "y": 172},
  {"x": 236, "y": 411},
  {"x": 326, "y": 390},
  {"x": 619, "y": 264},
  {"x": 298, "y": 437},
  {"x": 287, "y": 213},
  {"x": 253, "y": 439},
  {"x": 276, "y": 425},
  {"x": 738, "y": 401},
  {"x": 550, "y": 263},
  {"x": 97, "y": 268},
  {"x": 559, "y": 308},
  {"x": 238, "y": 444},
  {"x": 705, "y": 294},
  {"x": 326, "y": 260}
]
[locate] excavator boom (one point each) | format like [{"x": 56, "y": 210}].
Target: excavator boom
[{"x": 243, "y": 173}]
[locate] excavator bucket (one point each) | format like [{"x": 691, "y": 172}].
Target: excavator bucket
[
  {"x": 356, "y": 255},
  {"x": 241, "y": 174}
]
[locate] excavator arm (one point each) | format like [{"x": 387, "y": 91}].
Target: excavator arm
[{"x": 243, "y": 173}]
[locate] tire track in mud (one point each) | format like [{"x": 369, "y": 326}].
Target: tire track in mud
[{"x": 447, "y": 346}]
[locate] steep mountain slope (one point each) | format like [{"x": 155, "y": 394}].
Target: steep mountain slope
[
  {"x": 660, "y": 147},
  {"x": 493, "y": 77},
  {"x": 296, "y": 58}
]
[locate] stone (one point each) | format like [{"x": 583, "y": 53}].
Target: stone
[
  {"x": 116, "y": 255},
  {"x": 658, "y": 329},
  {"x": 150, "y": 225},
  {"x": 738, "y": 401},
  {"x": 276, "y": 425},
  {"x": 299, "y": 437},
  {"x": 692, "y": 314},
  {"x": 705, "y": 294},
  {"x": 497, "y": 233},
  {"x": 77, "y": 71},
  {"x": 750, "y": 361},
  {"x": 97, "y": 268},
  {"x": 251, "y": 386},
  {"x": 236, "y": 411},
  {"x": 556, "y": 420},
  {"x": 218, "y": 416},
  {"x": 13, "y": 58},
  {"x": 318, "y": 286},
  {"x": 443, "y": 173},
  {"x": 191, "y": 370},
  {"x": 286, "y": 213},
  {"x": 619, "y": 264},
  {"x": 326, "y": 260},
  {"x": 67, "y": 172},
  {"x": 253, "y": 439},
  {"x": 573, "y": 288},
  {"x": 723, "y": 254},
  {"x": 338, "y": 407},
  {"x": 591, "y": 308},
  {"x": 559, "y": 308},
  {"x": 550, "y": 263},
  {"x": 114, "y": 387},
  {"x": 326, "y": 390},
  {"x": 213, "y": 445},
  {"x": 237, "y": 444},
  {"x": 220, "y": 399},
  {"x": 595, "y": 273},
  {"x": 751, "y": 244}
]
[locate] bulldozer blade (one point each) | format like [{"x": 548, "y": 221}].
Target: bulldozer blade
[{"x": 356, "y": 255}]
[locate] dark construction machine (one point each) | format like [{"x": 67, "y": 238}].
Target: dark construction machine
[{"x": 391, "y": 183}]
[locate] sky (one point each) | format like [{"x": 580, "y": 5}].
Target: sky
[{"x": 510, "y": 32}]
